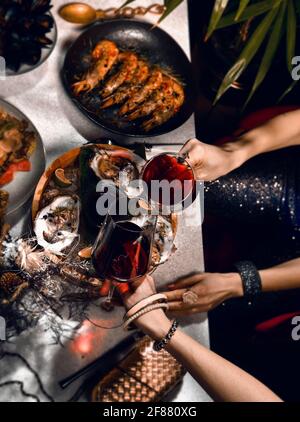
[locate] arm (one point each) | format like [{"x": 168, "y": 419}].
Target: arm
[
  {"x": 211, "y": 162},
  {"x": 281, "y": 277},
  {"x": 211, "y": 289},
  {"x": 220, "y": 378},
  {"x": 280, "y": 132}
]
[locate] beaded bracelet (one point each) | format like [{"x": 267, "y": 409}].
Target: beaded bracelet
[
  {"x": 144, "y": 311},
  {"x": 161, "y": 344}
]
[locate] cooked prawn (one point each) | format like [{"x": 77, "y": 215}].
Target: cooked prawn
[
  {"x": 168, "y": 108},
  {"x": 127, "y": 90},
  {"x": 141, "y": 95},
  {"x": 128, "y": 63},
  {"x": 104, "y": 56},
  {"x": 166, "y": 91}
]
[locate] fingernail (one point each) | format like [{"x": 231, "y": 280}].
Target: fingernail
[{"x": 171, "y": 286}]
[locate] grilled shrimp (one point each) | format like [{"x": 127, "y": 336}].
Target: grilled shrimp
[
  {"x": 147, "y": 107},
  {"x": 167, "y": 108},
  {"x": 127, "y": 90},
  {"x": 151, "y": 85},
  {"x": 160, "y": 116},
  {"x": 157, "y": 99},
  {"x": 128, "y": 63},
  {"x": 104, "y": 56}
]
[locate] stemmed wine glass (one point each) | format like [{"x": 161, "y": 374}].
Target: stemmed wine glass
[
  {"x": 122, "y": 252},
  {"x": 176, "y": 179}
]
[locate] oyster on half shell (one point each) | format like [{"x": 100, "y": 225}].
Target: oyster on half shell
[
  {"x": 56, "y": 225},
  {"x": 163, "y": 242},
  {"x": 117, "y": 166},
  {"x": 164, "y": 237}
]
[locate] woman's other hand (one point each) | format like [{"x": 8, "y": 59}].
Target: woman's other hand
[{"x": 206, "y": 291}]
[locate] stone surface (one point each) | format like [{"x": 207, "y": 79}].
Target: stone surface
[{"x": 41, "y": 97}]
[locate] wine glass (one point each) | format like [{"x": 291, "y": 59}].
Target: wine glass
[
  {"x": 170, "y": 182},
  {"x": 122, "y": 252}
]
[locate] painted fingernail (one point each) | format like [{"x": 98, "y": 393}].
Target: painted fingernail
[{"x": 171, "y": 286}]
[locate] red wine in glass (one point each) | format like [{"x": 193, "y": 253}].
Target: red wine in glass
[
  {"x": 122, "y": 251},
  {"x": 177, "y": 172}
]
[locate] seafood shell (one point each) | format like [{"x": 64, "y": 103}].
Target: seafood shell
[
  {"x": 164, "y": 237},
  {"x": 117, "y": 166},
  {"x": 56, "y": 225}
]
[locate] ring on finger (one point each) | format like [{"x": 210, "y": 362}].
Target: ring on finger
[{"x": 190, "y": 297}]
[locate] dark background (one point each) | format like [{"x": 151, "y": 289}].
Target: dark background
[{"x": 272, "y": 356}]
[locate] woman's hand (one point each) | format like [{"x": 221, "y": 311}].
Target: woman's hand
[
  {"x": 154, "y": 323},
  {"x": 139, "y": 290},
  {"x": 210, "y": 162},
  {"x": 202, "y": 292}
]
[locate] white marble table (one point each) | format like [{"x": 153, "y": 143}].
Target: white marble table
[{"x": 41, "y": 97}]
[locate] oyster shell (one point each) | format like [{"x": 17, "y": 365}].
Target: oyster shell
[
  {"x": 56, "y": 225},
  {"x": 163, "y": 241},
  {"x": 117, "y": 166},
  {"x": 164, "y": 237}
]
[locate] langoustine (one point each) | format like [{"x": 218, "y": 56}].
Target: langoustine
[
  {"x": 128, "y": 62},
  {"x": 153, "y": 83},
  {"x": 127, "y": 90},
  {"x": 167, "y": 108},
  {"x": 104, "y": 57}
]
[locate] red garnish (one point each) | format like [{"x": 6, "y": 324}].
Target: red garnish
[{"x": 8, "y": 175}]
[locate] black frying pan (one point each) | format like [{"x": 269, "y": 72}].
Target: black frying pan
[{"x": 152, "y": 43}]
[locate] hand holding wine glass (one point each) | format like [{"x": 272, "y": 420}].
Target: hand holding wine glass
[{"x": 210, "y": 162}]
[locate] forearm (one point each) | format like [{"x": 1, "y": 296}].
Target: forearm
[
  {"x": 281, "y": 277},
  {"x": 222, "y": 380},
  {"x": 279, "y": 132}
]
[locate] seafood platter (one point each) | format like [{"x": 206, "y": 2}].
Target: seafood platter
[
  {"x": 65, "y": 221},
  {"x": 130, "y": 78},
  {"x": 22, "y": 159}
]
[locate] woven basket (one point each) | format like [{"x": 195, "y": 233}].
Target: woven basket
[{"x": 143, "y": 376}]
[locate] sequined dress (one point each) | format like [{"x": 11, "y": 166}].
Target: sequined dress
[{"x": 263, "y": 198}]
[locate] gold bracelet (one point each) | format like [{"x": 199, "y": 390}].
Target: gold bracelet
[
  {"x": 144, "y": 311},
  {"x": 144, "y": 302}
]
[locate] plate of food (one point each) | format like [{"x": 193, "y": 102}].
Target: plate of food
[
  {"x": 28, "y": 34},
  {"x": 64, "y": 204},
  {"x": 22, "y": 158},
  {"x": 130, "y": 78}
]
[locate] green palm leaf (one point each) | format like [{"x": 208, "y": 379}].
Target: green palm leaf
[
  {"x": 218, "y": 10},
  {"x": 288, "y": 90},
  {"x": 170, "y": 6},
  {"x": 242, "y": 6},
  {"x": 248, "y": 53},
  {"x": 270, "y": 51},
  {"x": 251, "y": 11},
  {"x": 291, "y": 33}
]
